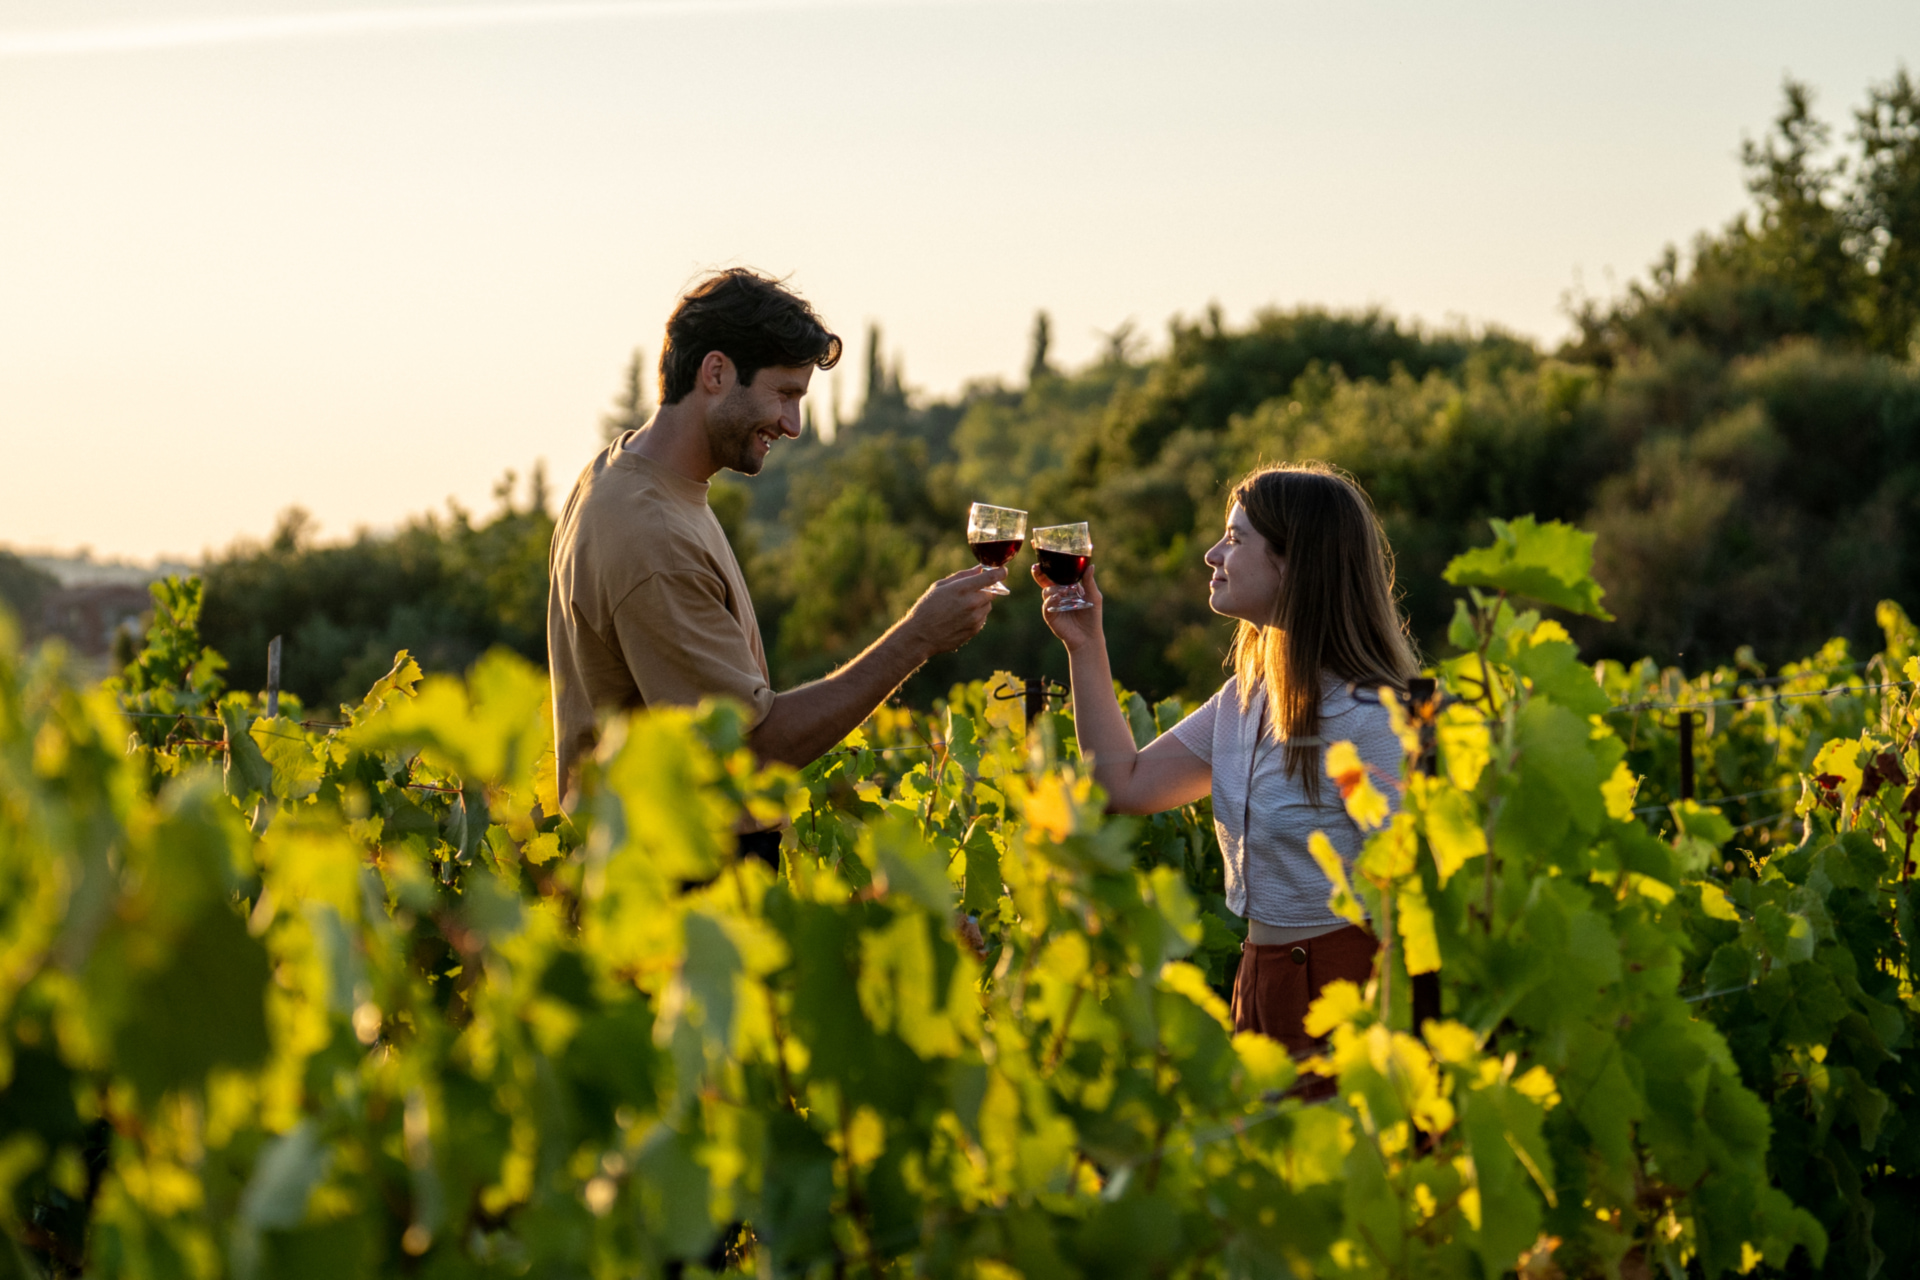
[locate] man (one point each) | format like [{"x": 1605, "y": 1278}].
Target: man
[{"x": 648, "y": 606}]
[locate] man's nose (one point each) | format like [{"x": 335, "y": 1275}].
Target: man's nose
[{"x": 790, "y": 424}]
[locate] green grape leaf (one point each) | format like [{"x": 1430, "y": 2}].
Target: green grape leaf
[
  {"x": 490, "y": 908},
  {"x": 297, "y": 770},
  {"x": 963, "y": 743},
  {"x": 1465, "y": 743},
  {"x": 1551, "y": 563},
  {"x": 1558, "y": 791},
  {"x": 205, "y": 1007},
  {"x": 1139, "y": 719},
  {"x": 707, "y": 974},
  {"x": 909, "y": 863},
  {"x": 38, "y": 1098},
  {"x": 1452, "y": 824},
  {"x": 1135, "y": 1235},
  {"x": 611, "y": 1062},
  {"x": 1554, "y": 668},
  {"x": 284, "y": 1178},
  {"x": 1461, "y": 633},
  {"x": 323, "y": 1252},
  {"x": 1503, "y": 1135},
  {"x": 247, "y": 772},
  {"x": 674, "y": 1193},
  {"x": 466, "y": 823},
  {"x": 983, "y": 870},
  {"x": 1414, "y": 917},
  {"x": 796, "y": 1201},
  {"x": 398, "y": 684},
  {"x": 1167, "y": 713}
]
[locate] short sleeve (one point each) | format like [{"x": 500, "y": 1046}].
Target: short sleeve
[
  {"x": 682, "y": 644},
  {"x": 1195, "y": 732}
]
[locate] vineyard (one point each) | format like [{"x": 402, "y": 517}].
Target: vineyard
[{"x": 348, "y": 994}]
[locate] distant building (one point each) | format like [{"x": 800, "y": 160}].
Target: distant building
[
  {"x": 89, "y": 617},
  {"x": 82, "y": 602}
]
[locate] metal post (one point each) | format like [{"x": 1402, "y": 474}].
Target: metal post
[
  {"x": 1423, "y": 697},
  {"x": 1036, "y": 691},
  {"x": 1686, "y": 754},
  {"x": 273, "y": 677}
]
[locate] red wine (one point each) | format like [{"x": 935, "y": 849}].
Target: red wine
[
  {"x": 995, "y": 554},
  {"x": 1063, "y": 568}
]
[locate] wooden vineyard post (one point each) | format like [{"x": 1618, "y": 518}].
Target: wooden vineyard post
[
  {"x": 1686, "y": 753},
  {"x": 273, "y": 677}
]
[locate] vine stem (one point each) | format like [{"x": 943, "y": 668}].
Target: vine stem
[
  {"x": 1487, "y": 617},
  {"x": 1066, "y": 1023},
  {"x": 1386, "y": 956},
  {"x": 856, "y": 1203}
]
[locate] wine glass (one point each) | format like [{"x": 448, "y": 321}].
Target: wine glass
[
  {"x": 994, "y": 534},
  {"x": 1064, "y": 552}
]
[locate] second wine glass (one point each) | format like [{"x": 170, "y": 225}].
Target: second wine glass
[
  {"x": 1064, "y": 552},
  {"x": 994, "y": 535}
]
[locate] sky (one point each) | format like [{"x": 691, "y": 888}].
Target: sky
[{"x": 366, "y": 258}]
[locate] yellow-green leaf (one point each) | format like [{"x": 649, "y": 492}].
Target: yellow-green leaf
[{"x": 1341, "y": 901}]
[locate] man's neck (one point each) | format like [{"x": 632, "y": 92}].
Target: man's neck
[{"x": 676, "y": 438}]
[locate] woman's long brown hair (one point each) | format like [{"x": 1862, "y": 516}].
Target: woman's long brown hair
[{"x": 1335, "y": 613}]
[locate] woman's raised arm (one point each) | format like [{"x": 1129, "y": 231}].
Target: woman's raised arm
[{"x": 1162, "y": 775}]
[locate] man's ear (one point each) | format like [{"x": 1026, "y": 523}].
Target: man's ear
[{"x": 716, "y": 373}]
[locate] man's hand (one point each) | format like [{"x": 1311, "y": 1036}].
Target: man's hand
[{"x": 951, "y": 611}]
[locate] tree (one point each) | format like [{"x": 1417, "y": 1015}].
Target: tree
[
  {"x": 1799, "y": 242},
  {"x": 1038, "y": 369},
  {"x": 22, "y": 587},
  {"x": 631, "y": 408},
  {"x": 1886, "y": 213}
]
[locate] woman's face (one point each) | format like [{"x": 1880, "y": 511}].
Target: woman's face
[{"x": 1246, "y": 574}]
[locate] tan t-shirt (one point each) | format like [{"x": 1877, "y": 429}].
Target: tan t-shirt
[{"x": 647, "y": 605}]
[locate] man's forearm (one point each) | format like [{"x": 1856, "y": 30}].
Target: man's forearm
[{"x": 806, "y": 722}]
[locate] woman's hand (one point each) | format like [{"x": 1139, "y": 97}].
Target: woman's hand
[{"x": 1075, "y": 627}]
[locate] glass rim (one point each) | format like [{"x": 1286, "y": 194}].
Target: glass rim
[
  {"x": 988, "y": 506},
  {"x": 1076, "y": 535}
]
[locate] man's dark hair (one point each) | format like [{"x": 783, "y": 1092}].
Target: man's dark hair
[{"x": 753, "y": 320}]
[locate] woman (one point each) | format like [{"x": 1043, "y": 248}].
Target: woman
[{"x": 1306, "y": 569}]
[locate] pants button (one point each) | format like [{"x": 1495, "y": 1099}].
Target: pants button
[{"x": 1299, "y": 955}]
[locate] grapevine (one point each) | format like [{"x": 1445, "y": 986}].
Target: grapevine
[{"x": 355, "y": 995}]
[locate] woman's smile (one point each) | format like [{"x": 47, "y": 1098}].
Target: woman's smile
[{"x": 1252, "y": 594}]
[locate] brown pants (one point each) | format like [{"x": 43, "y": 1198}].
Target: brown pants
[{"x": 1275, "y": 984}]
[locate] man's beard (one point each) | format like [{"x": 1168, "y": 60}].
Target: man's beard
[{"x": 730, "y": 436}]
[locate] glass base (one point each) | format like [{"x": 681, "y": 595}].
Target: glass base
[
  {"x": 997, "y": 589},
  {"x": 1069, "y": 600}
]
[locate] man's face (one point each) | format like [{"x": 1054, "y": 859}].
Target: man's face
[{"x": 745, "y": 421}]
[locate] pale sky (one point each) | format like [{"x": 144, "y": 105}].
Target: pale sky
[{"x": 365, "y": 259}]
